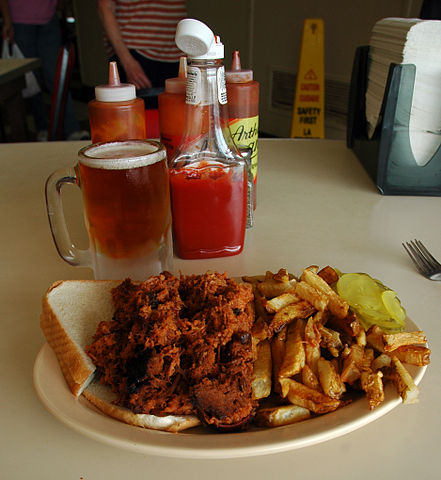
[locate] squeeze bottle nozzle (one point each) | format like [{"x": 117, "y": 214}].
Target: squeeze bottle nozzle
[
  {"x": 114, "y": 80},
  {"x": 115, "y": 91},
  {"x": 236, "y": 74}
]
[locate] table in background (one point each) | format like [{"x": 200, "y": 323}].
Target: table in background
[
  {"x": 316, "y": 205},
  {"x": 12, "y": 82}
]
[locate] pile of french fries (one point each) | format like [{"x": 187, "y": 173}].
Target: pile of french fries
[{"x": 312, "y": 351}]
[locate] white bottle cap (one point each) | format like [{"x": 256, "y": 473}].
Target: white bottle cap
[
  {"x": 197, "y": 41},
  {"x": 115, "y": 91}
]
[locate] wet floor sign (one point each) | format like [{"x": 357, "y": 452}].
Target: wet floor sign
[{"x": 308, "y": 116}]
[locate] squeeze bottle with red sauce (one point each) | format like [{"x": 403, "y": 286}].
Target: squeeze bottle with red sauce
[
  {"x": 171, "y": 104},
  {"x": 116, "y": 113},
  {"x": 208, "y": 175},
  {"x": 243, "y": 106}
]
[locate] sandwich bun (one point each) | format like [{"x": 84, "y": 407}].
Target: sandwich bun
[{"x": 71, "y": 312}]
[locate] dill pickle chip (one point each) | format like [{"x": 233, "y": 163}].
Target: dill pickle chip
[
  {"x": 393, "y": 306},
  {"x": 367, "y": 296}
]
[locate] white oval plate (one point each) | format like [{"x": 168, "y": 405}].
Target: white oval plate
[{"x": 200, "y": 442}]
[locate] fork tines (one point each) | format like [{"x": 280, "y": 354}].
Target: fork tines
[{"x": 421, "y": 257}]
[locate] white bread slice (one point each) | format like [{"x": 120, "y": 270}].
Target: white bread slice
[
  {"x": 72, "y": 310},
  {"x": 102, "y": 397}
]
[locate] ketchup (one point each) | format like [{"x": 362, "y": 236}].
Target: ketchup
[{"x": 209, "y": 209}]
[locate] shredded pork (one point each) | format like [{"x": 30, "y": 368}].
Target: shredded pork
[{"x": 180, "y": 346}]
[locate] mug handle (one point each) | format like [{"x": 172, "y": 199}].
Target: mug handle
[{"x": 57, "y": 221}]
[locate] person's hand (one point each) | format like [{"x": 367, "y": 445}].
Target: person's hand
[
  {"x": 8, "y": 32},
  {"x": 135, "y": 74}
]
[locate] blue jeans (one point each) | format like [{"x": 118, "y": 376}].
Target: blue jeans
[{"x": 44, "y": 42}]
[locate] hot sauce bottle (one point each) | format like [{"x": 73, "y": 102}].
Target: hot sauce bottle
[
  {"x": 171, "y": 105},
  {"x": 243, "y": 106},
  {"x": 116, "y": 113},
  {"x": 208, "y": 175}
]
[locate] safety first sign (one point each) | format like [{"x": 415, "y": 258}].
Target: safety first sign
[{"x": 308, "y": 116}]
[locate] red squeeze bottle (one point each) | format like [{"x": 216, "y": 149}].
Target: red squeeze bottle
[
  {"x": 243, "y": 107},
  {"x": 116, "y": 113},
  {"x": 171, "y": 104}
]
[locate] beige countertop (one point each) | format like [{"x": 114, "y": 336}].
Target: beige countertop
[
  {"x": 316, "y": 205},
  {"x": 12, "y": 68}
]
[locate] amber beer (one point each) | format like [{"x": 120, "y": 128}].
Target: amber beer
[{"x": 125, "y": 188}]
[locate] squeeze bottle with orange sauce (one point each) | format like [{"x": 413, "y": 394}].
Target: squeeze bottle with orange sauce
[
  {"x": 171, "y": 104},
  {"x": 243, "y": 106},
  {"x": 116, "y": 113}
]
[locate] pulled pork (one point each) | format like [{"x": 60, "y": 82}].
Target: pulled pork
[{"x": 178, "y": 346}]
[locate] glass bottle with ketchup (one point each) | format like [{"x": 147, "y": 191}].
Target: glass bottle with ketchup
[
  {"x": 208, "y": 175},
  {"x": 116, "y": 113}
]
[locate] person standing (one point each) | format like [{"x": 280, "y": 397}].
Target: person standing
[
  {"x": 140, "y": 37},
  {"x": 35, "y": 27}
]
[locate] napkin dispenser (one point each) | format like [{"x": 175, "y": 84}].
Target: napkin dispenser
[{"x": 387, "y": 156}]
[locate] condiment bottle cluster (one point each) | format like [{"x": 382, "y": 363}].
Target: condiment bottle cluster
[{"x": 208, "y": 122}]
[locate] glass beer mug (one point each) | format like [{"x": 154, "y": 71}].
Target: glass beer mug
[{"x": 125, "y": 189}]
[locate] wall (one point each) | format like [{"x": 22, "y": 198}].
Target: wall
[
  {"x": 269, "y": 42},
  {"x": 91, "y": 53},
  {"x": 268, "y": 35}
]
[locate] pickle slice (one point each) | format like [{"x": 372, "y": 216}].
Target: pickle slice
[
  {"x": 367, "y": 297},
  {"x": 393, "y": 306}
]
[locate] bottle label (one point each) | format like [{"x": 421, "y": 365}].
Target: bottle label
[
  {"x": 221, "y": 86},
  {"x": 193, "y": 95},
  {"x": 245, "y": 133}
]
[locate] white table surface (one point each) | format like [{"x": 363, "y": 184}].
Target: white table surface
[{"x": 316, "y": 205}]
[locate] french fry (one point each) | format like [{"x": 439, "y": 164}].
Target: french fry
[
  {"x": 382, "y": 361},
  {"x": 368, "y": 358},
  {"x": 270, "y": 288},
  {"x": 406, "y": 387},
  {"x": 283, "y": 415},
  {"x": 329, "y": 379},
  {"x": 260, "y": 330},
  {"x": 360, "y": 338},
  {"x": 372, "y": 384},
  {"x": 336, "y": 304},
  {"x": 313, "y": 268},
  {"x": 277, "y": 354},
  {"x": 329, "y": 275},
  {"x": 288, "y": 314},
  {"x": 303, "y": 396},
  {"x": 349, "y": 325},
  {"x": 352, "y": 364},
  {"x": 310, "y": 379},
  {"x": 330, "y": 339},
  {"x": 412, "y": 354},
  {"x": 311, "y": 295},
  {"x": 259, "y": 304},
  {"x": 294, "y": 359},
  {"x": 374, "y": 337},
  {"x": 282, "y": 276},
  {"x": 253, "y": 279},
  {"x": 276, "y": 304},
  {"x": 261, "y": 382},
  {"x": 395, "y": 340},
  {"x": 312, "y": 344}
]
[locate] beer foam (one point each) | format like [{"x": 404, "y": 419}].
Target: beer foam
[{"x": 122, "y": 155}]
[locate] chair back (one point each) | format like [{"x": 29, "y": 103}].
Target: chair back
[{"x": 66, "y": 59}]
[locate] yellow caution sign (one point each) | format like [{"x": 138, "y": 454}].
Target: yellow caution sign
[{"x": 308, "y": 115}]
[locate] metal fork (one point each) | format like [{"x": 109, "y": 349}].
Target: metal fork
[{"x": 424, "y": 261}]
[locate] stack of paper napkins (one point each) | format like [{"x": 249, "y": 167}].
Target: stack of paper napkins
[{"x": 409, "y": 41}]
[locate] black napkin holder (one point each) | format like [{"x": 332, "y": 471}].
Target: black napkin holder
[{"x": 387, "y": 156}]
